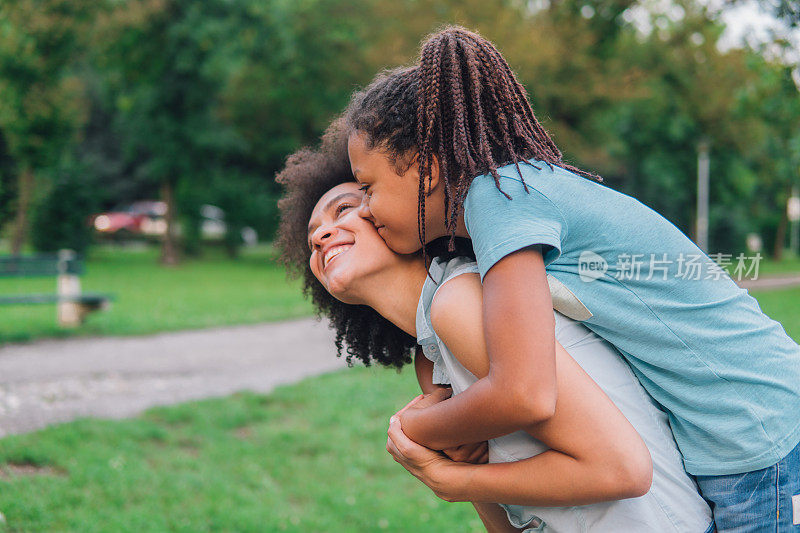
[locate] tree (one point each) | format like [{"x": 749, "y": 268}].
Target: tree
[
  {"x": 160, "y": 61},
  {"x": 772, "y": 102},
  {"x": 297, "y": 64},
  {"x": 41, "y": 105},
  {"x": 60, "y": 218}
]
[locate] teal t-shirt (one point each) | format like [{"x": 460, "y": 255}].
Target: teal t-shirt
[{"x": 727, "y": 375}]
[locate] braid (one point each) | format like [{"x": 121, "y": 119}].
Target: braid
[
  {"x": 463, "y": 105},
  {"x": 502, "y": 114},
  {"x": 425, "y": 127},
  {"x": 461, "y": 147}
]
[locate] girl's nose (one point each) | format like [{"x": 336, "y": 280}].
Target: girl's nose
[{"x": 363, "y": 210}]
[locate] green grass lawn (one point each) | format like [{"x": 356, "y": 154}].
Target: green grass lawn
[
  {"x": 782, "y": 305},
  {"x": 766, "y": 266},
  {"x": 308, "y": 457},
  {"x": 788, "y": 265},
  {"x": 211, "y": 291}
]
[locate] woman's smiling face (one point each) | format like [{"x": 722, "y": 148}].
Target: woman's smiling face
[{"x": 345, "y": 248}]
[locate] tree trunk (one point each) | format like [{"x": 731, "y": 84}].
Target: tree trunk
[
  {"x": 21, "y": 221},
  {"x": 780, "y": 233},
  {"x": 232, "y": 242},
  {"x": 169, "y": 248}
]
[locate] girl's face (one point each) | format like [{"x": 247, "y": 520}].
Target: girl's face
[
  {"x": 391, "y": 200},
  {"x": 345, "y": 248}
]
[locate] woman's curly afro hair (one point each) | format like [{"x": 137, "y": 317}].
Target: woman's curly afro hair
[{"x": 307, "y": 176}]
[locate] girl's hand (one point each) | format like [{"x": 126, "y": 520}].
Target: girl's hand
[
  {"x": 476, "y": 453},
  {"x": 433, "y": 468},
  {"x": 422, "y": 402},
  {"x": 425, "y": 400}
]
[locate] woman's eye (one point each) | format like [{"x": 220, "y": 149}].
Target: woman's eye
[
  {"x": 342, "y": 207},
  {"x": 364, "y": 187}
]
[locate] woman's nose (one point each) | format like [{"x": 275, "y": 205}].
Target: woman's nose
[{"x": 322, "y": 234}]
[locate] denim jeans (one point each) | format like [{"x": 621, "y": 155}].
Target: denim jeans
[{"x": 765, "y": 500}]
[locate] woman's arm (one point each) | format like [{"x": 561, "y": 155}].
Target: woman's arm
[
  {"x": 492, "y": 515},
  {"x": 424, "y": 369},
  {"x": 476, "y": 452},
  {"x": 550, "y": 479},
  {"x": 596, "y": 455},
  {"x": 520, "y": 385}
]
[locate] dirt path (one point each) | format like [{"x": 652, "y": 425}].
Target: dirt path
[
  {"x": 52, "y": 381},
  {"x": 114, "y": 377},
  {"x": 771, "y": 282}
]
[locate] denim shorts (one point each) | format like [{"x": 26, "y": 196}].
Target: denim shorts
[{"x": 765, "y": 500}]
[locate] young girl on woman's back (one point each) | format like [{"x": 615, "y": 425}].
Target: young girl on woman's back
[
  {"x": 597, "y": 455},
  {"x": 451, "y": 147}
]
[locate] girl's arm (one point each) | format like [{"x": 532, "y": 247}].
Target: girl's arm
[
  {"x": 520, "y": 385},
  {"x": 596, "y": 455}
]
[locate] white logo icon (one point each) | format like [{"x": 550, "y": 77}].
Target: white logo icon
[{"x": 591, "y": 266}]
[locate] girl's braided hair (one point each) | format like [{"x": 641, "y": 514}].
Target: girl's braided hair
[{"x": 463, "y": 106}]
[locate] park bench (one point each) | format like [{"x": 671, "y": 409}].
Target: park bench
[{"x": 72, "y": 304}]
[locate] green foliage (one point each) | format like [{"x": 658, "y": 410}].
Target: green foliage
[
  {"x": 247, "y": 201},
  {"x": 771, "y": 104},
  {"x": 204, "y": 89},
  {"x": 301, "y": 61},
  {"x": 62, "y": 218},
  {"x": 158, "y": 76},
  {"x": 210, "y": 97},
  {"x": 41, "y": 104},
  {"x": 190, "y": 198}
]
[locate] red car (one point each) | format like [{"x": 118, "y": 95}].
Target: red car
[{"x": 145, "y": 217}]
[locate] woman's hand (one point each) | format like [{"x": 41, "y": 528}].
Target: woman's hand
[
  {"x": 434, "y": 469},
  {"x": 476, "y": 453}
]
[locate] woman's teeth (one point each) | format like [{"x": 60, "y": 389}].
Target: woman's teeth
[{"x": 333, "y": 252}]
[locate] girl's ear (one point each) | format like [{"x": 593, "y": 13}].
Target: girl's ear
[{"x": 433, "y": 183}]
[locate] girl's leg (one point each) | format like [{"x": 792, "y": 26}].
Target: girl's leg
[{"x": 762, "y": 500}]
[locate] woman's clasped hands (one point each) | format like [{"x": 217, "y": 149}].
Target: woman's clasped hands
[{"x": 442, "y": 471}]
